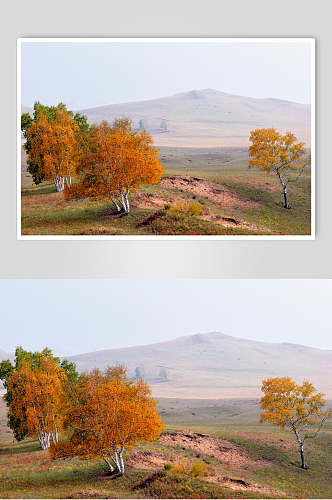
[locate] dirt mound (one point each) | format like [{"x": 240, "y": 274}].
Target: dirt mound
[
  {"x": 147, "y": 460},
  {"x": 149, "y": 200},
  {"x": 223, "y": 450},
  {"x": 231, "y": 222},
  {"x": 241, "y": 485},
  {"x": 216, "y": 192}
]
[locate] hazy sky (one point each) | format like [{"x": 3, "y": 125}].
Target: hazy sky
[
  {"x": 92, "y": 74},
  {"x": 75, "y": 316}
]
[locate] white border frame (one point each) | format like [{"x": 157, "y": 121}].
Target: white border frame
[{"x": 310, "y": 40}]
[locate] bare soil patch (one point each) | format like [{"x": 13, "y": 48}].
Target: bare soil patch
[
  {"x": 223, "y": 450},
  {"x": 149, "y": 200},
  {"x": 216, "y": 192},
  {"x": 241, "y": 485},
  {"x": 148, "y": 460},
  {"x": 232, "y": 222}
]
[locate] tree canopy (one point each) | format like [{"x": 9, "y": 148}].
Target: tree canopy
[
  {"x": 117, "y": 160},
  {"x": 108, "y": 415}
]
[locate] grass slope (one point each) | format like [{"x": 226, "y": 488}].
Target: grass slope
[
  {"x": 250, "y": 202},
  {"x": 271, "y": 468}
]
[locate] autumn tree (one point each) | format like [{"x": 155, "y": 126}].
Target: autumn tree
[
  {"x": 298, "y": 407},
  {"x": 54, "y": 137},
  {"x": 116, "y": 162},
  {"x": 17, "y": 415},
  {"x": 38, "y": 399},
  {"x": 108, "y": 416},
  {"x": 281, "y": 154}
]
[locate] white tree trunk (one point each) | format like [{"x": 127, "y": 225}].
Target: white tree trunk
[
  {"x": 59, "y": 183},
  {"x": 118, "y": 460},
  {"x": 127, "y": 201},
  {"x": 44, "y": 439},
  {"x": 112, "y": 469},
  {"x": 122, "y": 468},
  {"x": 117, "y": 206},
  {"x": 55, "y": 435},
  {"x": 123, "y": 202}
]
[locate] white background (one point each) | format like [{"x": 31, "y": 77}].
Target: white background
[{"x": 180, "y": 18}]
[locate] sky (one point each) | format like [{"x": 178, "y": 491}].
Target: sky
[
  {"x": 77, "y": 316},
  {"x": 84, "y": 75}
]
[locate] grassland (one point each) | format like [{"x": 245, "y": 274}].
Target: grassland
[
  {"x": 232, "y": 200},
  {"x": 243, "y": 459}
]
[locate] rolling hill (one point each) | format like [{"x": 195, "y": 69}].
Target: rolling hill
[
  {"x": 207, "y": 118},
  {"x": 214, "y": 365}
]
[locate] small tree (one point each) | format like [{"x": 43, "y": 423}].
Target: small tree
[
  {"x": 109, "y": 414},
  {"x": 282, "y": 154},
  {"x": 296, "y": 406},
  {"x": 116, "y": 162}
]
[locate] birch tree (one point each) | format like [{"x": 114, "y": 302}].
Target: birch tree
[
  {"x": 54, "y": 136},
  {"x": 116, "y": 162},
  {"x": 109, "y": 415},
  {"x": 280, "y": 154},
  {"x": 298, "y": 407},
  {"x": 37, "y": 398},
  {"x": 16, "y": 387},
  {"x": 52, "y": 149}
]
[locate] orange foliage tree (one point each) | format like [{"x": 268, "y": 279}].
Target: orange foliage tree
[
  {"x": 296, "y": 406},
  {"x": 53, "y": 149},
  {"x": 282, "y": 154},
  {"x": 108, "y": 415},
  {"x": 37, "y": 399},
  {"x": 116, "y": 161}
]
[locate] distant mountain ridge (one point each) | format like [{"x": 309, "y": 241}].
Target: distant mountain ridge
[
  {"x": 215, "y": 365},
  {"x": 207, "y": 118}
]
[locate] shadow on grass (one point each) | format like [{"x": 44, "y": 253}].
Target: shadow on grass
[
  {"x": 20, "y": 448},
  {"x": 93, "y": 214},
  {"x": 38, "y": 191}
]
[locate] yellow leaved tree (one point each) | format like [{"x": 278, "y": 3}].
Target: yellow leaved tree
[
  {"x": 280, "y": 154},
  {"x": 116, "y": 161},
  {"x": 53, "y": 149},
  {"x": 37, "y": 399},
  {"x": 298, "y": 407},
  {"x": 108, "y": 415}
]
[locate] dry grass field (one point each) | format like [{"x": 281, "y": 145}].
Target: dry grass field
[
  {"x": 237, "y": 457},
  {"x": 204, "y": 191}
]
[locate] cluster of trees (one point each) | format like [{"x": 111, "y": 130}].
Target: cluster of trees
[
  {"x": 280, "y": 154},
  {"x": 108, "y": 161},
  {"x": 98, "y": 414}
]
